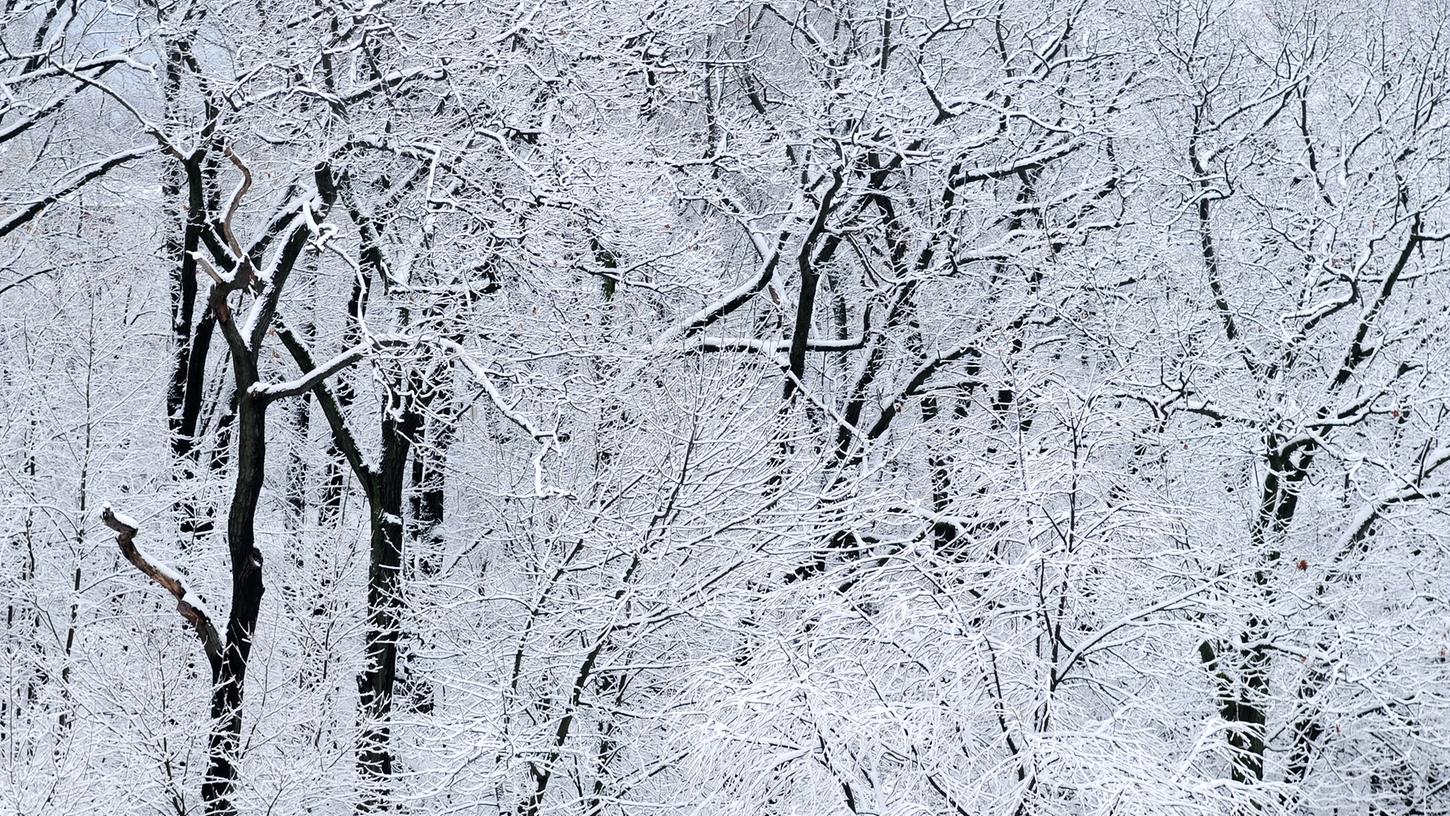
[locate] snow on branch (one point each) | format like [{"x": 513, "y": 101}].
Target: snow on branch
[
  {"x": 305, "y": 383},
  {"x": 737, "y": 297},
  {"x": 188, "y": 603},
  {"x": 750, "y": 344},
  {"x": 92, "y": 172},
  {"x": 481, "y": 377},
  {"x": 1410, "y": 490},
  {"x": 154, "y": 130},
  {"x": 548, "y": 440}
]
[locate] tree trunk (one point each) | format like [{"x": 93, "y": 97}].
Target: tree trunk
[
  {"x": 385, "y": 570},
  {"x": 426, "y": 504},
  {"x": 246, "y": 564}
]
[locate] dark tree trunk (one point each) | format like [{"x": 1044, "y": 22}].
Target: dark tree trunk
[
  {"x": 428, "y": 499},
  {"x": 334, "y": 483},
  {"x": 246, "y": 566},
  {"x": 385, "y": 607},
  {"x": 191, "y": 337}
]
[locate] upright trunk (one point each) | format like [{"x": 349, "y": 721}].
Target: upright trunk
[
  {"x": 334, "y": 484},
  {"x": 425, "y": 545},
  {"x": 385, "y": 570},
  {"x": 229, "y": 656},
  {"x": 246, "y": 565},
  {"x": 427, "y": 501},
  {"x": 16, "y": 614},
  {"x": 1244, "y": 699},
  {"x": 181, "y": 241},
  {"x": 188, "y": 191},
  {"x": 375, "y": 682}
]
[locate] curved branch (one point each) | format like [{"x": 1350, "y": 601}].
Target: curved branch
[
  {"x": 236, "y": 201},
  {"x": 188, "y": 604}
]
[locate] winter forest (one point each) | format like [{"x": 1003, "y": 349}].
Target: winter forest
[{"x": 675, "y": 407}]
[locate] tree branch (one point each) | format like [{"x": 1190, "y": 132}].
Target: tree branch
[
  {"x": 342, "y": 435},
  {"x": 738, "y": 297},
  {"x": 268, "y": 392},
  {"x": 95, "y": 171},
  {"x": 188, "y": 604}
]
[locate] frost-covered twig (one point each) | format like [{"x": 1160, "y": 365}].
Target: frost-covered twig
[{"x": 547, "y": 439}]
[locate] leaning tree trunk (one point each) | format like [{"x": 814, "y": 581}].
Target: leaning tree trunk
[
  {"x": 383, "y": 488},
  {"x": 228, "y": 656}
]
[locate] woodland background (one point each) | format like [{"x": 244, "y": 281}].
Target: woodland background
[{"x": 707, "y": 406}]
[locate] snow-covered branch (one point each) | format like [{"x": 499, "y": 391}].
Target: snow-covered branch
[{"x": 191, "y": 607}]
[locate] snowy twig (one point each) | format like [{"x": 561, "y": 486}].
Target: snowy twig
[{"x": 547, "y": 439}]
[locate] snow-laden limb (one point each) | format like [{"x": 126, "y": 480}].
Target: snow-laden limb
[
  {"x": 291, "y": 388},
  {"x": 1410, "y": 490},
  {"x": 156, "y": 131},
  {"x": 1092, "y": 641},
  {"x": 90, "y": 173},
  {"x": 1032, "y": 161},
  {"x": 392, "y": 80},
  {"x": 704, "y": 318},
  {"x": 100, "y": 64},
  {"x": 188, "y": 603},
  {"x": 481, "y": 377},
  {"x": 40, "y": 112},
  {"x": 548, "y": 440}
]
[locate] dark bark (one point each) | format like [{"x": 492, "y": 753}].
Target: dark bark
[
  {"x": 189, "y": 191},
  {"x": 250, "y": 427},
  {"x": 427, "y": 502},
  {"x": 383, "y": 488},
  {"x": 334, "y": 481},
  {"x": 385, "y": 605},
  {"x": 246, "y": 568},
  {"x": 809, "y": 262}
]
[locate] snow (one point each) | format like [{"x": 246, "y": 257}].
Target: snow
[
  {"x": 999, "y": 545},
  {"x": 121, "y": 518}
]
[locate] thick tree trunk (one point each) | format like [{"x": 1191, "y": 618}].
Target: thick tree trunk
[
  {"x": 246, "y": 566},
  {"x": 1243, "y": 686},
  {"x": 297, "y": 497},
  {"x": 375, "y": 682}
]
